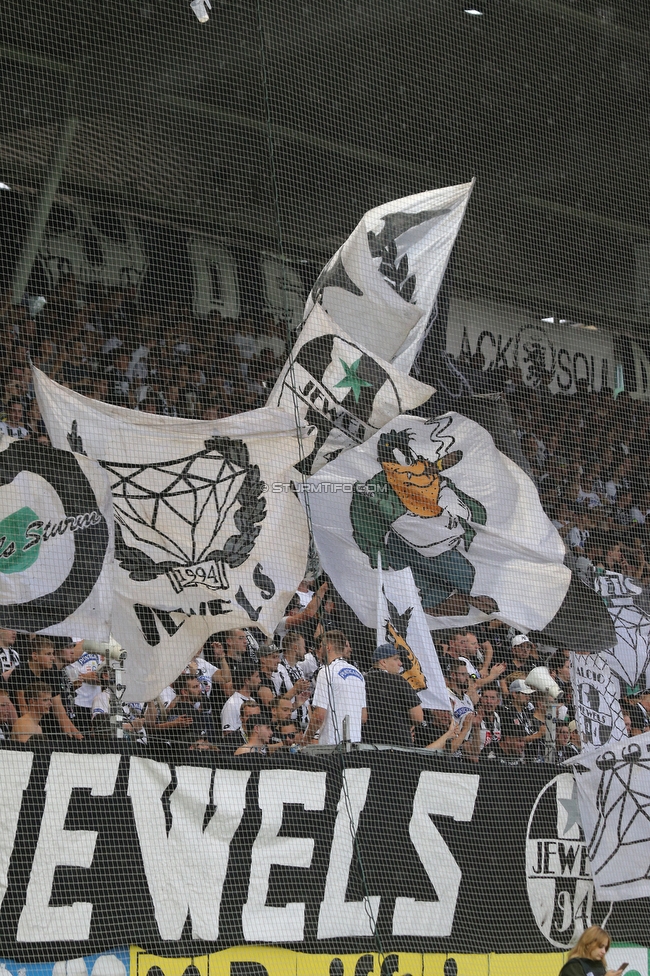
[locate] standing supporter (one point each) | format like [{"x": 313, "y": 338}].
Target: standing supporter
[
  {"x": 84, "y": 678},
  {"x": 490, "y": 724},
  {"x": 513, "y": 742},
  {"x": 519, "y": 661},
  {"x": 190, "y": 705},
  {"x": 37, "y": 705},
  {"x": 8, "y": 714},
  {"x": 393, "y": 706},
  {"x": 296, "y": 669},
  {"x": 258, "y": 733},
  {"x": 246, "y": 680},
  {"x": 522, "y": 716},
  {"x": 9, "y": 657},
  {"x": 340, "y": 694},
  {"x": 463, "y": 709},
  {"x": 563, "y": 748},
  {"x": 270, "y": 680},
  {"x": 40, "y": 667}
]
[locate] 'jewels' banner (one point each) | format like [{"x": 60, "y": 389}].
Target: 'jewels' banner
[{"x": 99, "y": 849}]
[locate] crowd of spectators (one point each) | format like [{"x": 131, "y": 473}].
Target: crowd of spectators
[
  {"x": 588, "y": 455},
  {"x": 98, "y": 342}
]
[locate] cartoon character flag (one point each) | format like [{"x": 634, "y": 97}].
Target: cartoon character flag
[
  {"x": 437, "y": 496},
  {"x": 56, "y": 542},
  {"x": 382, "y": 283},
  {"x": 401, "y": 622},
  {"x": 206, "y": 523},
  {"x": 343, "y": 390}
]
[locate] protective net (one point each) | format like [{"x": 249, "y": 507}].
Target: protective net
[{"x": 324, "y": 561}]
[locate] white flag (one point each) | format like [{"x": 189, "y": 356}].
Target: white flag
[
  {"x": 206, "y": 522},
  {"x": 382, "y": 283},
  {"x": 614, "y": 799},
  {"x": 401, "y": 622},
  {"x": 346, "y": 392},
  {"x": 629, "y": 659},
  {"x": 56, "y": 542},
  {"x": 437, "y": 496},
  {"x": 596, "y": 699}
]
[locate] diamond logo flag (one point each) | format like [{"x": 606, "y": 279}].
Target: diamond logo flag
[
  {"x": 344, "y": 391},
  {"x": 56, "y": 542},
  {"x": 614, "y": 799},
  {"x": 401, "y": 622},
  {"x": 205, "y": 522},
  {"x": 382, "y": 283},
  {"x": 438, "y": 497}
]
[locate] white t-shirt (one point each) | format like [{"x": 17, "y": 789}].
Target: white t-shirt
[
  {"x": 86, "y": 691},
  {"x": 167, "y": 696},
  {"x": 341, "y": 690},
  {"x": 204, "y": 673},
  {"x": 462, "y": 707},
  {"x": 231, "y": 712}
]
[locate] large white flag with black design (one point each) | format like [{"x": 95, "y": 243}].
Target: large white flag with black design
[
  {"x": 614, "y": 799},
  {"x": 629, "y": 658},
  {"x": 206, "y": 524},
  {"x": 382, "y": 283},
  {"x": 437, "y": 496},
  {"x": 597, "y": 700},
  {"x": 401, "y": 622},
  {"x": 56, "y": 542},
  {"x": 343, "y": 390}
]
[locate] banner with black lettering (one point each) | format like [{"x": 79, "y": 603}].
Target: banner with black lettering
[
  {"x": 56, "y": 542},
  {"x": 324, "y": 854},
  {"x": 550, "y": 354}
]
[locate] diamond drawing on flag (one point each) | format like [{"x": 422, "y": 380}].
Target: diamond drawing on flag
[
  {"x": 185, "y": 497},
  {"x": 623, "y": 805},
  {"x": 179, "y": 508}
]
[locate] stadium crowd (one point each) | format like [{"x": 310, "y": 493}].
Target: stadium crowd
[{"x": 588, "y": 455}]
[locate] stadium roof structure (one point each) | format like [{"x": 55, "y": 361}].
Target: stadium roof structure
[{"x": 285, "y": 121}]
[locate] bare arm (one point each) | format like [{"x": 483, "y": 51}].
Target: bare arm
[{"x": 63, "y": 719}]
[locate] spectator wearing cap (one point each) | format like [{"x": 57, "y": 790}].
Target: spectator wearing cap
[
  {"x": 247, "y": 680},
  {"x": 393, "y": 706},
  {"x": 340, "y": 695},
  {"x": 522, "y": 714},
  {"x": 519, "y": 662},
  {"x": 258, "y": 731}
]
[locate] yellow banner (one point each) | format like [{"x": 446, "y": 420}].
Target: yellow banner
[{"x": 268, "y": 961}]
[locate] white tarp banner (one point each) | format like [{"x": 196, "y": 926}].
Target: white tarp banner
[
  {"x": 439, "y": 497},
  {"x": 206, "y": 523},
  {"x": 550, "y": 355},
  {"x": 56, "y": 542},
  {"x": 614, "y": 799},
  {"x": 629, "y": 659},
  {"x": 597, "y": 701},
  {"x": 346, "y": 392},
  {"x": 382, "y": 283},
  {"x": 401, "y": 622}
]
